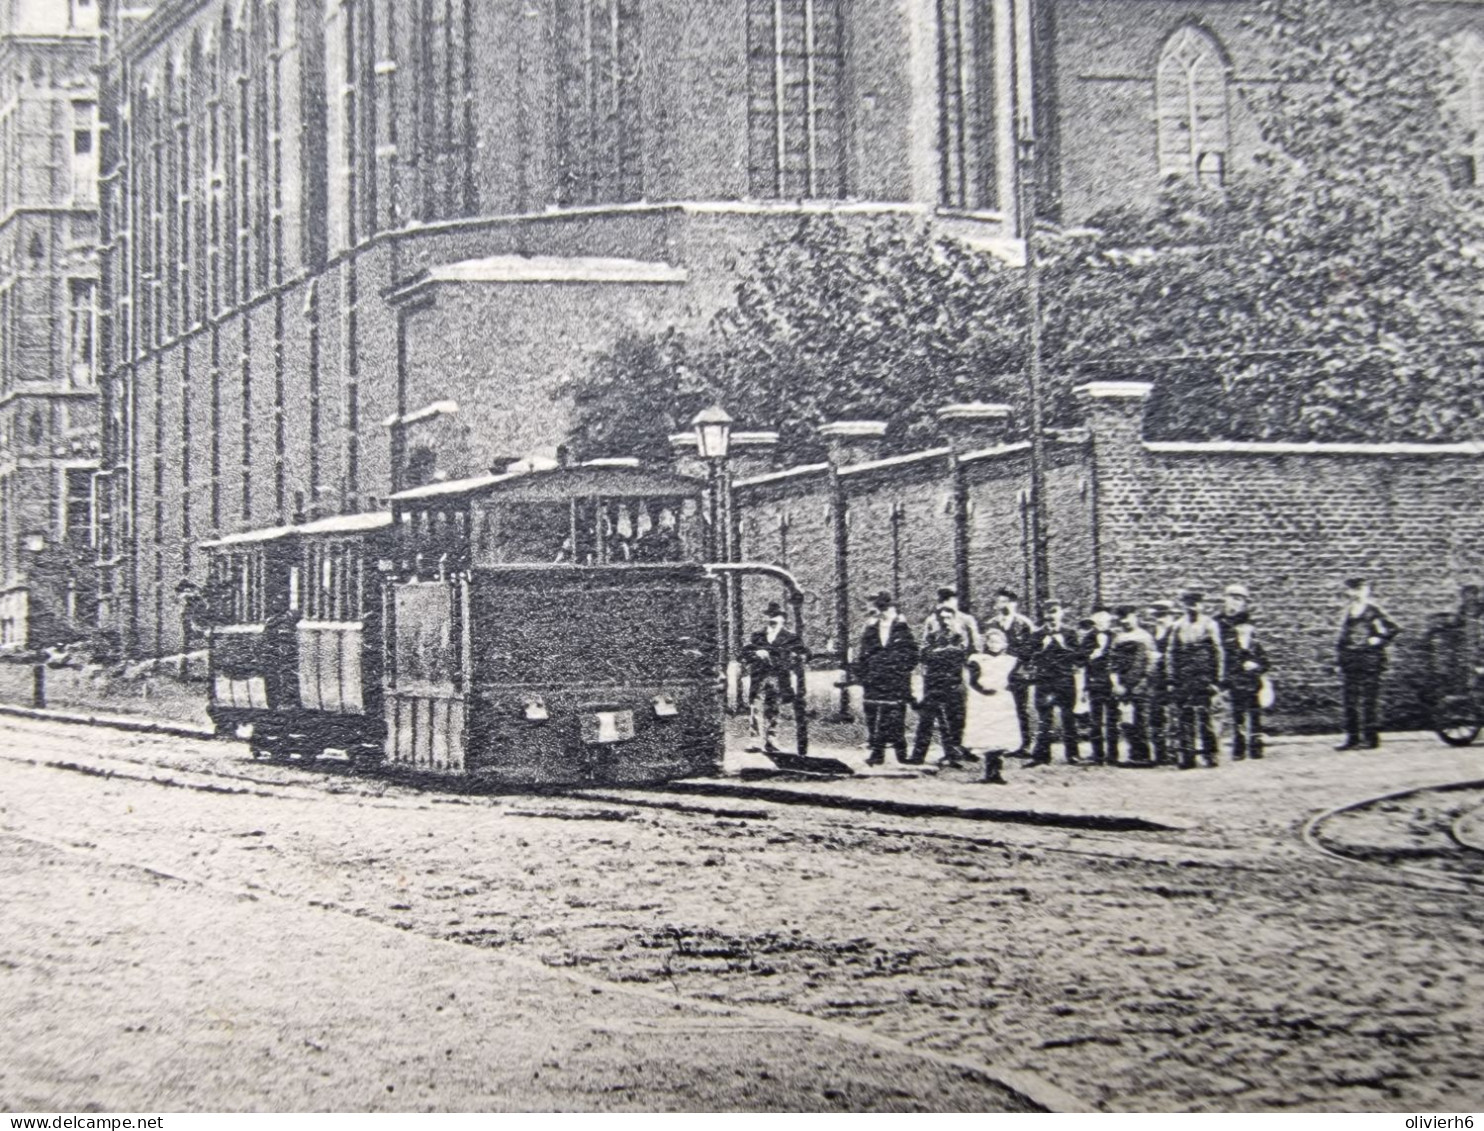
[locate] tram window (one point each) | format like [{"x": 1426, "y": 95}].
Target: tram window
[{"x": 531, "y": 532}]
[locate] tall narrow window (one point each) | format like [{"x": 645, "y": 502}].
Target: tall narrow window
[
  {"x": 84, "y": 154},
  {"x": 445, "y": 120},
  {"x": 966, "y": 104},
  {"x": 601, "y": 119},
  {"x": 388, "y": 176},
  {"x": 1191, "y": 107},
  {"x": 795, "y": 134},
  {"x": 82, "y": 336},
  {"x": 1466, "y": 108}
]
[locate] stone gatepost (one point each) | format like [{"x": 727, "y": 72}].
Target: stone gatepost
[{"x": 1114, "y": 414}]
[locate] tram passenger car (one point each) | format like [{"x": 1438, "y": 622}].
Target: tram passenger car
[
  {"x": 295, "y": 640},
  {"x": 553, "y": 626}
]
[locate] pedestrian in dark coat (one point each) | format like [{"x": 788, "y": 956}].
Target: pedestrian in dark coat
[
  {"x": 1246, "y": 663},
  {"x": 884, "y": 663},
  {"x": 945, "y": 648},
  {"x": 1057, "y": 658},
  {"x": 1020, "y": 638},
  {"x": 1097, "y": 660},
  {"x": 1197, "y": 670},
  {"x": 1365, "y": 634},
  {"x": 772, "y": 656}
]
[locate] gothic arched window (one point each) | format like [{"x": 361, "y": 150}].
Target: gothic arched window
[
  {"x": 1466, "y": 104},
  {"x": 1191, "y": 107}
]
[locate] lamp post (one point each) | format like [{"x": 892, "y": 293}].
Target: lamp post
[
  {"x": 1035, "y": 380},
  {"x": 713, "y": 428}
]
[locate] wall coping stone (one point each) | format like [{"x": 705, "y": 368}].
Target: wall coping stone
[
  {"x": 853, "y": 429},
  {"x": 799, "y": 472},
  {"x": 975, "y": 411},
  {"x": 1115, "y": 390},
  {"x": 1278, "y": 448},
  {"x": 895, "y": 461}
]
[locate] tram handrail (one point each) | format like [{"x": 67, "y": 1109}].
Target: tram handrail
[{"x": 796, "y": 599}]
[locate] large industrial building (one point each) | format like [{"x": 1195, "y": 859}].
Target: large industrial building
[{"x": 320, "y": 217}]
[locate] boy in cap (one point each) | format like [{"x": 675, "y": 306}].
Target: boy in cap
[
  {"x": 1365, "y": 633},
  {"x": 1020, "y": 637},
  {"x": 1197, "y": 669},
  {"x": 1097, "y": 659},
  {"x": 1246, "y": 661},
  {"x": 884, "y": 662},
  {"x": 771, "y": 655},
  {"x": 1058, "y": 655}
]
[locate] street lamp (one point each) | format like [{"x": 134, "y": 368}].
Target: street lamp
[{"x": 713, "y": 428}]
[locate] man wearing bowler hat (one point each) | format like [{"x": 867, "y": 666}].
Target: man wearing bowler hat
[
  {"x": 884, "y": 663},
  {"x": 772, "y": 654},
  {"x": 1365, "y": 634}
]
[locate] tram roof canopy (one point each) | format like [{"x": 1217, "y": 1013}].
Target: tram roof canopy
[
  {"x": 557, "y": 484},
  {"x": 336, "y": 524}
]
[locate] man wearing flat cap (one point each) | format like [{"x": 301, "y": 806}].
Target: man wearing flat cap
[
  {"x": 963, "y": 622},
  {"x": 1020, "y": 635},
  {"x": 1131, "y": 665},
  {"x": 1365, "y": 634},
  {"x": 772, "y": 654},
  {"x": 1161, "y": 705},
  {"x": 1058, "y": 655},
  {"x": 1197, "y": 668},
  {"x": 883, "y": 665}
]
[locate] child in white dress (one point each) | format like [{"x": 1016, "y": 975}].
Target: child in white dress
[{"x": 991, "y": 726}]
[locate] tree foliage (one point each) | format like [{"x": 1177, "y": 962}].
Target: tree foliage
[{"x": 1328, "y": 293}]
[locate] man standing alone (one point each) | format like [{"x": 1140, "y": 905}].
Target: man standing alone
[
  {"x": 886, "y": 657},
  {"x": 1365, "y": 633}
]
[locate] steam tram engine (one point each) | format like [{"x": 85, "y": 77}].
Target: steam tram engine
[{"x": 546, "y": 626}]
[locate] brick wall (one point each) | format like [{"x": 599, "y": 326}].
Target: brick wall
[
  {"x": 1134, "y": 521},
  {"x": 1291, "y": 523}
]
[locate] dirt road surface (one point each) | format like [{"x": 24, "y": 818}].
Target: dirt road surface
[{"x": 185, "y": 928}]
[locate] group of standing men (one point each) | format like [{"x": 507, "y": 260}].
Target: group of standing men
[{"x": 1151, "y": 692}]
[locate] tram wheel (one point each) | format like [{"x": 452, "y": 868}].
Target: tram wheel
[{"x": 1459, "y": 734}]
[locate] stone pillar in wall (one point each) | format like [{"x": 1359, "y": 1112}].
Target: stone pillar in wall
[
  {"x": 850, "y": 442},
  {"x": 1114, "y": 414},
  {"x": 969, "y": 428}
]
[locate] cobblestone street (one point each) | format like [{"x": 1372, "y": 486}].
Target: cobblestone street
[{"x": 1219, "y": 966}]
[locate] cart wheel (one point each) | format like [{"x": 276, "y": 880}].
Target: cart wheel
[{"x": 1459, "y": 734}]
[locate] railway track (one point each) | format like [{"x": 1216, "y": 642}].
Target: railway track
[{"x": 1435, "y": 833}]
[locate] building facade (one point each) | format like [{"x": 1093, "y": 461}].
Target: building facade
[
  {"x": 49, "y": 362},
  {"x": 321, "y": 217}
]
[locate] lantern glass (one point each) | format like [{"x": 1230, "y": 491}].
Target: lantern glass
[{"x": 713, "y": 433}]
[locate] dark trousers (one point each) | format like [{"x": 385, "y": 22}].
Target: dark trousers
[
  {"x": 886, "y": 725},
  {"x": 1050, "y": 700},
  {"x": 945, "y": 711},
  {"x": 1159, "y": 725},
  {"x": 1195, "y": 717},
  {"x": 1246, "y": 725},
  {"x": 1104, "y": 727},
  {"x": 1021, "y": 694},
  {"x": 1362, "y": 688},
  {"x": 1136, "y": 729}
]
